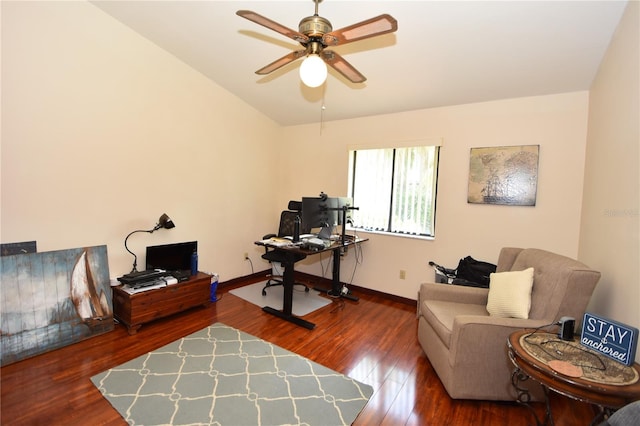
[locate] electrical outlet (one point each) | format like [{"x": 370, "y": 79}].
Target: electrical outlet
[
  {"x": 246, "y": 255},
  {"x": 403, "y": 274}
]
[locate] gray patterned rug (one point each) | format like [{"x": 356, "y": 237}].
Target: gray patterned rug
[{"x": 223, "y": 376}]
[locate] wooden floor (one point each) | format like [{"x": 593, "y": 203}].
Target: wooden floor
[{"x": 373, "y": 340}]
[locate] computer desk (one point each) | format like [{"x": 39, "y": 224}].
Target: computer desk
[{"x": 296, "y": 253}]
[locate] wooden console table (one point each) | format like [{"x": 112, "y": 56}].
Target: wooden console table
[
  {"x": 591, "y": 377},
  {"x": 133, "y": 310}
]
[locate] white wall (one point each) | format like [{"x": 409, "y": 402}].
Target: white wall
[
  {"x": 102, "y": 132},
  {"x": 557, "y": 123},
  {"x": 610, "y": 231}
]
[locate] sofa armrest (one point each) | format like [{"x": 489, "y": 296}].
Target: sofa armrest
[
  {"x": 453, "y": 293},
  {"x": 485, "y": 337}
]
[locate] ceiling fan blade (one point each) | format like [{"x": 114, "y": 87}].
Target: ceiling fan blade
[
  {"x": 272, "y": 25},
  {"x": 278, "y": 63},
  {"x": 373, "y": 27},
  {"x": 338, "y": 63}
]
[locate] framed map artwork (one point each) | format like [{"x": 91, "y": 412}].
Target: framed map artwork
[{"x": 506, "y": 175}]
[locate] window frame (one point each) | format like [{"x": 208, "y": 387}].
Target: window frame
[{"x": 352, "y": 155}]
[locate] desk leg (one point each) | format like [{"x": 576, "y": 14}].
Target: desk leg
[
  {"x": 287, "y": 303},
  {"x": 524, "y": 397},
  {"x": 287, "y": 282},
  {"x": 336, "y": 286}
]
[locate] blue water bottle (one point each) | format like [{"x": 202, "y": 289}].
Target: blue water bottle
[{"x": 194, "y": 263}]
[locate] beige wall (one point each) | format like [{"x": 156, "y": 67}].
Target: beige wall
[
  {"x": 557, "y": 123},
  {"x": 102, "y": 132},
  {"x": 610, "y": 231}
]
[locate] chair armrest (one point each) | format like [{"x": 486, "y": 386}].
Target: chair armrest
[{"x": 453, "y": 293}]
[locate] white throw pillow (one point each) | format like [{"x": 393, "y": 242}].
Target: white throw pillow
[{"x": 510, "y": 294}]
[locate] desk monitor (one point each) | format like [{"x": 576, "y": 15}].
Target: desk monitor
[
  {"x": 317, "y": 213},
  {"x": 171, "y": 257}
]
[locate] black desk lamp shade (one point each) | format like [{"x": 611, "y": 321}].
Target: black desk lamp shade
[{"x": 163, "y": 222}]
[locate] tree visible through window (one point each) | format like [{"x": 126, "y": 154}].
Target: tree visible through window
[{"x": 394, "y": 189}]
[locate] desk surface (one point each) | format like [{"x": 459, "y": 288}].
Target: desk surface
[
  {"x": 299, "y": 248},
  {"x": 603, "y": 381}
]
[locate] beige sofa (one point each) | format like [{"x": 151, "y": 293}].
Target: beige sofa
[{"x": 467, "y": 346}]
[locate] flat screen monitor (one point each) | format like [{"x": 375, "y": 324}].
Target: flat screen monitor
[
  {"x": 171, "y": 257},
  {"x": 318, "y": 212}
]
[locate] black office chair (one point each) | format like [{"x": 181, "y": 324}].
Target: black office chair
[{"x": 287, "y": 226}]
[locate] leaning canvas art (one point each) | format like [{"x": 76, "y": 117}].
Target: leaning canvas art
[
  {"x": 505, "y": 175},
  {"x": 52, "y": 299}
]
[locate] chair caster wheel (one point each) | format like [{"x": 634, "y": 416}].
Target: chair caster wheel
[
  {"x": 264, "y": 292},
  {"x": 306, "y": 289}
]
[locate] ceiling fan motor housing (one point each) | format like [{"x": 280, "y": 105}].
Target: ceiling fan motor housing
[{"x": 315, "y": 26}]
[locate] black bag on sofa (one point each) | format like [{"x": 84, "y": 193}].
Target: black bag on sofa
[{"x": 474, "y": 272}]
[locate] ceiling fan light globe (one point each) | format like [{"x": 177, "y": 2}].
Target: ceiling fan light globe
[{"x": 313, "y": 71}]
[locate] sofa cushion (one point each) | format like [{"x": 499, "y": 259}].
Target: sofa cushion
[
  {"x": 441, "y": 315},
  {"x": 510, "y": 294}
]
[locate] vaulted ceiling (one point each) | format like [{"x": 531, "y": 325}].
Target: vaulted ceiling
[{"x": 444, "y": 52}]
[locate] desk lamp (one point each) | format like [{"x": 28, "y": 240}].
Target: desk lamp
[{"x": 164, "y": 222}]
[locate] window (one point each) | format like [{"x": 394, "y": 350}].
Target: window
[{"x": 394, "y": 189}]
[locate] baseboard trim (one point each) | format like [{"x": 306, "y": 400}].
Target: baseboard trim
[
  {"x": 326, "y": 283},
  {"x": 315, "y": 280},
  {"x": 256, "y": 276}
]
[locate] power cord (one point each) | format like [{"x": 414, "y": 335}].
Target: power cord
[
  {"x": 541, "y": 327},
  {"x": 250, "y": 263},
  {"x": 358, "y": 260},
  {"x": 552, "y": 350},
  {"x": 359, "y": 257}
]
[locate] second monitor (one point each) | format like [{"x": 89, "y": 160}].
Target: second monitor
[{"x": 325, "y": 212}]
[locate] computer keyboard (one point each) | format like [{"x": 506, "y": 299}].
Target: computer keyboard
[{"x": 142, "y": 276}]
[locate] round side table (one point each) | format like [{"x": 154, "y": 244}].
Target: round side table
[{"x": 573, "y": 370}]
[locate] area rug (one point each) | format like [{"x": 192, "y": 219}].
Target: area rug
[
  {"x": 223, "y": 376},
  {"x": 303, "y": 302}
]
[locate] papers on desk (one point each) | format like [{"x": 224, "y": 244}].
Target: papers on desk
[
  {"x": 276, "y": 242},
  {"x": 310, "y": 241},
  {"x": 132, "y": 290}
]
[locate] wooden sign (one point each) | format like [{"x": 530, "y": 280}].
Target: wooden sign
[{"x": 611, "y": 338}]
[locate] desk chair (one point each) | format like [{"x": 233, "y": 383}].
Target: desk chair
[{"x": 287, "y": 225}]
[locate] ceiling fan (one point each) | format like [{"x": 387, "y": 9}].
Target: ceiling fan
[{"x": 315, "y": 34}]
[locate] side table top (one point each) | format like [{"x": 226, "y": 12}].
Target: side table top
[{"x": 589, "y": 376}]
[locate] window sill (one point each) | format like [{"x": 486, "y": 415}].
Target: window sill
[{"x": 392, "y": 234}]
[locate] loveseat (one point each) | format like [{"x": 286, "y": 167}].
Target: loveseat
[{"x": 466, "y": 345}]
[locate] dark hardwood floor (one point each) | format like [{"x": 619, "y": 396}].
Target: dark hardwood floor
[{"x": 373, "y": 340}]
